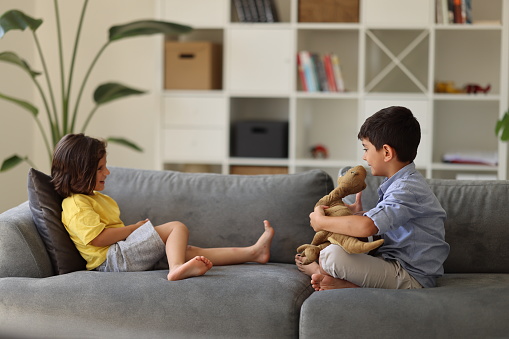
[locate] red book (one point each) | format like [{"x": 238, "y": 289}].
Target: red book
[
  {"x": 330, "y": 73},
  {"x": 458, "y": 16},
  {"x": 302, "y": 76}
]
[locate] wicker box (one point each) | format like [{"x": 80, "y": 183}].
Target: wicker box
[{"x": 329, "y": 11}]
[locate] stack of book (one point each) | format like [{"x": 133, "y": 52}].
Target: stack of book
[
  {"x": 473, "y": 158},
  {"x": 256, "y": 10},
  {"x": 320, "y": 73},
  {"x": 453, "y": 11}
]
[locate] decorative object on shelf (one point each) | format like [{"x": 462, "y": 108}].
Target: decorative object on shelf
[
  {"x": 256, "y": 10},
  {"x": 62, "y": 120},
  {"x": 329, "y": 11},
  {"x": 319, "y": 152},
  {"x": 476, "y": 88},
  {"x": 351, "y": 183},
  {"x": 470, "y": 88}
]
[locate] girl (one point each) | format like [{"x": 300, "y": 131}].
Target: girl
[{"x": 93, "y": 221}]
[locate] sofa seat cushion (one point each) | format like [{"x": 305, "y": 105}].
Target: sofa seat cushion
[
  {"x": 240, "y": 301},
  {"x": 223, "y": 210},
  {"x": 462, "y": 306}
]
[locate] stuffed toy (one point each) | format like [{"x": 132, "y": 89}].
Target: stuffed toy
[{"x": 351, "y": 182}]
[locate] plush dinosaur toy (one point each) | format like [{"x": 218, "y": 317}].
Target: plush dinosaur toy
[{"x": 350, "y": 183}]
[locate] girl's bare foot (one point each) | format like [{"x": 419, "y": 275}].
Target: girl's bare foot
[
  {"x": 197, "y": 266},
  {"x": 323, "y": 282},
  {"x": 262, "y": 246},
  {"x": 310, "y": 269}
]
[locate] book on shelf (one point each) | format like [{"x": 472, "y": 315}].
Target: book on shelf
[
  {"x": 338, "y": 76},
  {"x": 309, "y": 78},
  {"x": 255, "y": 10},
  {"x": 453, "y": 11},
  {"x": 472, "y": 158},
  {"x": 302, "y": 75},
  {"x": 319, "y": 73}
]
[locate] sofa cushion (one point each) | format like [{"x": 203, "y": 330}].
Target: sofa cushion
[
  {"x": 238, "y": 301},
  {"x": 223, "y": 210},
  {"x": 46, "y": 206},
  {"x": 22, "y": 252},
  {"x": 462, "y": 306},
  {"x": 476, "y": 226}
]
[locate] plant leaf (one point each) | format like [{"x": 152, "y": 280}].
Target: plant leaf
[
  {"x": 503, "y": 125},
  {"x": 11, "y": 162},
  {"x": 13, "y": 58},
  {"x": 15, "y": 19},
  {"x": 112, "y": 91},
  {"x": 126, "y": 143},
  {"x": 147, "y": 27},
  {"x": 26, "y": 105}
]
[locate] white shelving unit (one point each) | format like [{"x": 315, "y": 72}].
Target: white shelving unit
[{"x": 394, "y": 55}]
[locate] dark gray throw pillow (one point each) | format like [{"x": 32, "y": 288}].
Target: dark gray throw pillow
[{"x": 46, "y": 207}]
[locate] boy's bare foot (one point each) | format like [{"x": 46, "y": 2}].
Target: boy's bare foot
[
  {"x": 310, "y": 269},
  {"x": 323, "y": 282},
  {"x": 262, "y": 246},
  {"x": 197, "y": 266}
]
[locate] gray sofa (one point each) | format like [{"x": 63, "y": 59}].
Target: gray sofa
[{"x": 41, "y": 297}]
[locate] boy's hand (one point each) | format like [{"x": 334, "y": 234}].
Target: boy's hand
[
  {"x": 356, "y": 207},
  {"x": 316, "y": 215}
]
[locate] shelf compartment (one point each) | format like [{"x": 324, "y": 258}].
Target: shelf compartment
[
  {"x": 457, "y": 60},
  {"x": 344, "y": 43},
  {"x": 328, "y": 122},
  {"x": 397, "y": 61},
  {"x": 473, "y": 124}
]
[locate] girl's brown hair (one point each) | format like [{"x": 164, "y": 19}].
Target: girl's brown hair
[{"x": 75, "y": 161}]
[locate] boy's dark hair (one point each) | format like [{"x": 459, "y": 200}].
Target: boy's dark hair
[
  {"x": 75, "y": 161},
  {"x": 395, "y": 126}
]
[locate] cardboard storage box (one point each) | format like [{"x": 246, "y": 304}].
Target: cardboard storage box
[
  {"x": 264, "y": 139},
  {"x": 329, "y": 11},
  {"x": 193, "y": 65}
]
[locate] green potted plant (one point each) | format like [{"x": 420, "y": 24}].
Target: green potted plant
[
  {"x": 502, "y": 127},
  {"x": 61, "y": 116}
]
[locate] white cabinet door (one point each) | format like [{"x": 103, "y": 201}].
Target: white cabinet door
[
  {"x": 398, "y": 13},
  {"x": 196, "y": 13},
  {"x": 259, "y": 60},
  {"x": 192, "y": 111},
  {"x": 194, "y": 145}
]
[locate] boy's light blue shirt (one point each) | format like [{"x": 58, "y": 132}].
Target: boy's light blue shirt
[{"x": 411, "y": 222}]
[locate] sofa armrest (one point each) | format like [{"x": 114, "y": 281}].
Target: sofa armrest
[{"x": 22, "y": 252}]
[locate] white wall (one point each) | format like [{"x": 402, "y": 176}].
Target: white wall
[
  {"x": 16, "y": 124},
  {"x": 133, "y": 62}
]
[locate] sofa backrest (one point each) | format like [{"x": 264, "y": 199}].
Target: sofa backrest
[
  {"x": 477, "y": 225},
  {"x": 223, "y": 210}
]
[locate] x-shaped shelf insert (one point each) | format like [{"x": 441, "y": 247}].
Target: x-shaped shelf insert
[{"x": 396, "y": 60}]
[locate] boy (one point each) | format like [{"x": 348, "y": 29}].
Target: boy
[{"x": 408, "y": 216}]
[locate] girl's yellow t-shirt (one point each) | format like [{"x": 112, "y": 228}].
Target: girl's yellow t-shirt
[{"x": 85, "y": 217}]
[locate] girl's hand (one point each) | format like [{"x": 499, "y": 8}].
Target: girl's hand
[
  {"x": 356, "y": 207},
  {"x": 314, "y": 217},
  {"x": 139, "y": 223}
]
